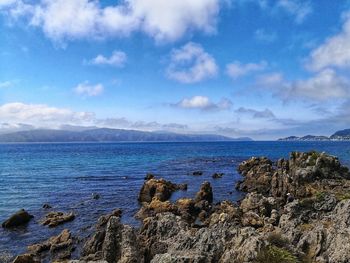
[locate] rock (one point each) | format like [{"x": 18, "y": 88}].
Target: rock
[
  {"x": 21, "y": 217},
  {"x": 205, "y": 193},
  {"x": 149, "y": 176},
  {"x": 197, "y": 173},
  {"x": 298, "y": 176},
  {"x": 96, "y": 196},
  {"x": 92, "y": 249},
  {"x": 155, "y": 207},
  {"x": 47, "y": 206},
  {"x": 252, "y": 219},
  {"x": 60, "y": 247},
  {"x": 54, "y": 219},
  {"x": 217, "y": 175},
  {"x": 182, "y": 187},
  {"x": 114, "y": 243},
  {"x": 158, "y": 188},
  {"x": 25, "y": 258}
]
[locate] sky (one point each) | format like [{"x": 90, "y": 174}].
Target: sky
[{"x": 259, "y": 68}]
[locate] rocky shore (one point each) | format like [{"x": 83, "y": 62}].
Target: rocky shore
[{"x": 295, "y": 210}]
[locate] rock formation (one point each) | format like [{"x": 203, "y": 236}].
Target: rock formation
[{"x": 295, "y": 211}]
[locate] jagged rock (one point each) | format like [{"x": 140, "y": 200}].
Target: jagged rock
[
  {"x": 21, "y": 217},
  {"x": 252, "y": 219},
  {"x": 54, "y": 219},
  {"x": 257, "y": 174},
  {"x": 60, "y": 247},
  {"x": 157, "y": 188},
  {"x": 113, "y": 242},
  {"x": 205, "y": 193},
  {"x": 92, "y": 248},
  {"x": 298, "y": 175}
]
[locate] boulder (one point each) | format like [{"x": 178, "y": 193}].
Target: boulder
[
  {"x": 21, "y": 217},
  {"x": 54, "y": 219},
  {"x": 157, "y": 188}
]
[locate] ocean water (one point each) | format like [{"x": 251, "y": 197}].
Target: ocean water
[{"x": 66, "y": 175}]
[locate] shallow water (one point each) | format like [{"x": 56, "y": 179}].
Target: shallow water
[{"x": 66, "y": 175}]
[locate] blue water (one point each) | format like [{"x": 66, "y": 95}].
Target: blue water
[{"x": 66, "y": 175}]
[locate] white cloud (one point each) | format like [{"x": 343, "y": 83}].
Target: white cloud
[
  {"x": 117, "y": 59},
  {"x": 203, "y": 103},
  {"x": 237, "y": 69},
  {"x": 63, "y": 20},
  {"x": 298, "y": 8},
  {"x": 264, "y": 36},
  {"x": 169, "y": 20},
  {"x": 41, "y": 114},
  {"x": 191, "y": 64},
  {"x": 325, "y": 85},
  {"x": 20, "y": 116},
  {"x": 335, "y": 51},
  {"x": 84, "y": 89},
  {"x": 270, "y": 79}
]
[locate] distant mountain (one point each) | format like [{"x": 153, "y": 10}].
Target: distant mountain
[
  {"x": 343, "y": 135},
  {"x": 107, "y": 135},
  {"x": 306, "y": 138}
]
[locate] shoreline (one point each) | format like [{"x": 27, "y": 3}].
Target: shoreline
[{"x": 287, "y": 205}]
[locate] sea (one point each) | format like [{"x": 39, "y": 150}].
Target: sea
[{"x": 67, "y": 175}]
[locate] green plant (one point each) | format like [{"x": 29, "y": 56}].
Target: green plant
[{"x": 273, "y": 254}]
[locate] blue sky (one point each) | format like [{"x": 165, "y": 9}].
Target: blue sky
[{"x": 258, "y": 68}]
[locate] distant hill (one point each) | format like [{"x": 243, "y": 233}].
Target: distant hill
[
  {"x": 306, "y": 138},
  {"x": 343, "y": 135},
  {"x": 107, "y": 135}
]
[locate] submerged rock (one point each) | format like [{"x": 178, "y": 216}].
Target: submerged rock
[
  {"x": 54, "y": 219},
  {"x": 47, "y": 206},
  {"x": 19, "y": 218},
  {"x": 217, "y": 175}
]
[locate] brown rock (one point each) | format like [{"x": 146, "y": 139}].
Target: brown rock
[
  {"x": 25, "y": 258},
  {"x": 60, "y": 247},
  {"x": 54, "y": 219},
  {"x": 205, "y": 193},
  {"x": 158, "y": 188}
]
